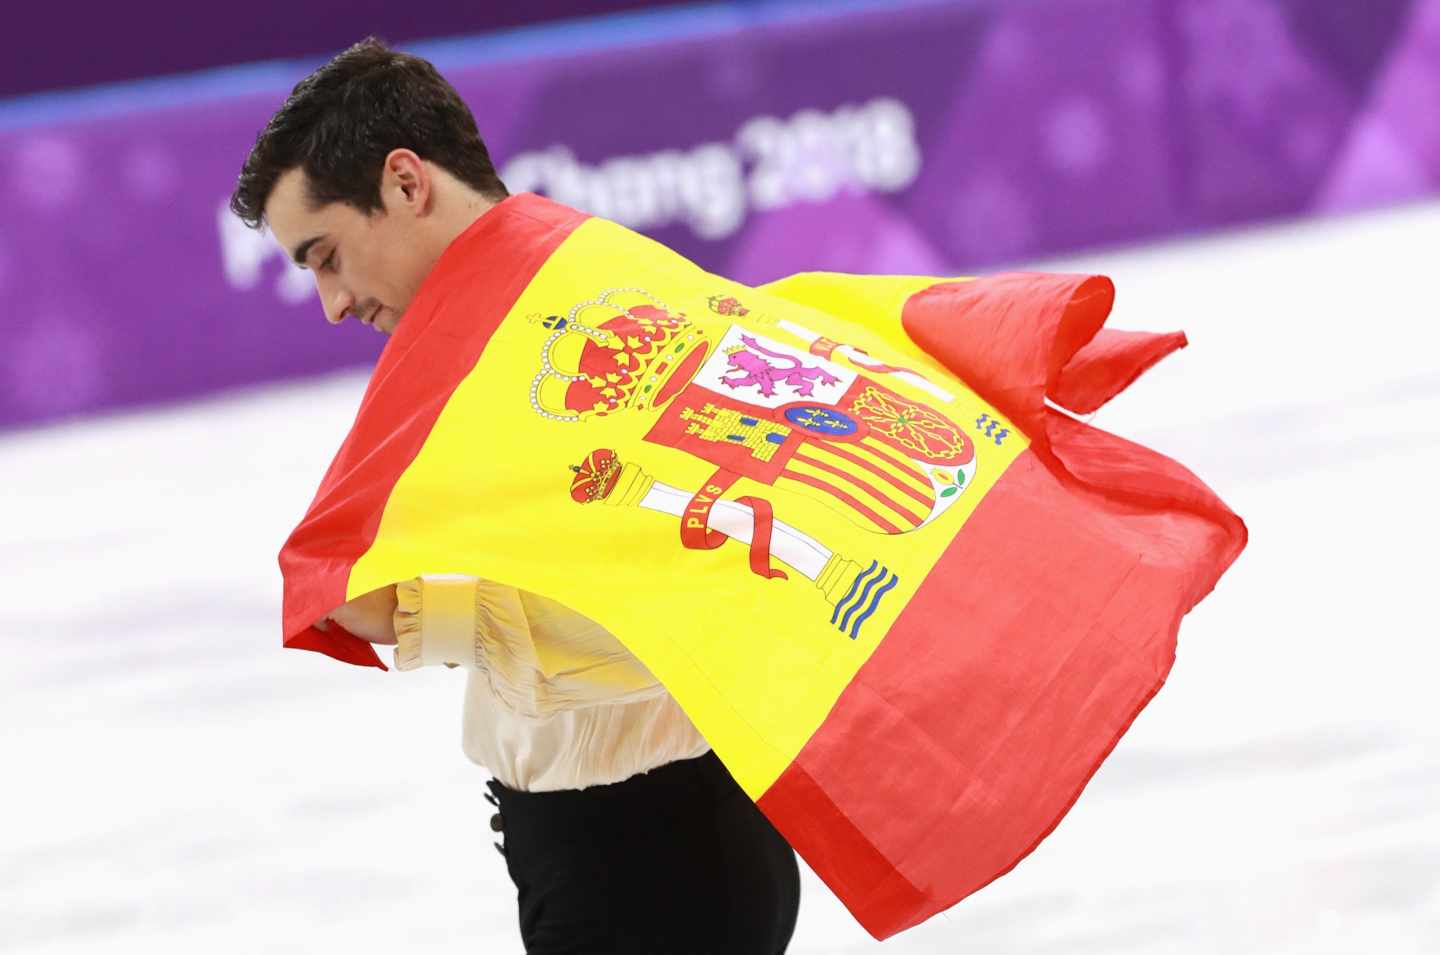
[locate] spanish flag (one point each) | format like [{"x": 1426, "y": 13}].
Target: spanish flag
[{"x": 910, "y": 602}]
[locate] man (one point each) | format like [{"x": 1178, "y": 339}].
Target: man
[{"x": 623, "y": 831}]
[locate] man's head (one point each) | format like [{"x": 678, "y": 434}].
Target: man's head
[{"x": 370, "y": 169}]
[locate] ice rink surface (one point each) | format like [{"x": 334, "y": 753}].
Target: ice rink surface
[{"x": 174, "y": 783}]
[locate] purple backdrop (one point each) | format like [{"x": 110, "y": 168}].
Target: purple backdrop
[
  {"x": 917, "y": 137},
  {"x": 172, "y": 36}
]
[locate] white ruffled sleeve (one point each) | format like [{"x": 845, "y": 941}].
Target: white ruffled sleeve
[
  {"x": 537, "y": 656},
  {"x": 435, "y": 622}
]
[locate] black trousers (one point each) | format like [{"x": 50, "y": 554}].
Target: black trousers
[{"x": 676, "y": 861}]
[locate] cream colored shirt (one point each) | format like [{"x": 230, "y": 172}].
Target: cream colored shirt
[{"x": 553, "y": 700}]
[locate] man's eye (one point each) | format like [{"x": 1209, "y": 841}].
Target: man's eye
[{"x": 329, "y": 264}]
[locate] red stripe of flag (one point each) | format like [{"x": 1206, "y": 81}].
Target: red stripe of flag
[{"x": 1032, "y": 644}]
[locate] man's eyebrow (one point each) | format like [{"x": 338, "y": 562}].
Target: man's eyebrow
[{"x": 302, "y": 251}]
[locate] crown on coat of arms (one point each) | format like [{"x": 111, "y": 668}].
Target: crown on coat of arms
[
  {"x": 595, "y": 477},
  {"x": 622, "y": 350}
]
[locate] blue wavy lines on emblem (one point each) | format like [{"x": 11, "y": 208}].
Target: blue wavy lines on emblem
[
  {"x": 854, "y": 585},
  {"x": 865, "y": 593},
  {"x": 874, "y": 602},
  {"x": 990, "y": 425}
]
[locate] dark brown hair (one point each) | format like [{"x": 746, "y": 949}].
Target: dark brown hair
[{"x": 342, "y": 120}]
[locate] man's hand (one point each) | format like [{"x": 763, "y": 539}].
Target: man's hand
[{"x": 370, "y": 616}]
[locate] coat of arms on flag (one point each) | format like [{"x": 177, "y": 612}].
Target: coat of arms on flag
[{"x": 759, "y": 409}]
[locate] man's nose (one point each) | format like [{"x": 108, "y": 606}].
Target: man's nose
[{"x": 336, "y": 301}]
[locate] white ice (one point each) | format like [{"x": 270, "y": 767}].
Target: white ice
[{"x": 175, "y": 783}]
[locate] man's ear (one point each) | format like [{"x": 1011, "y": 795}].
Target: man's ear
[{"x": 405, "y": 182}]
